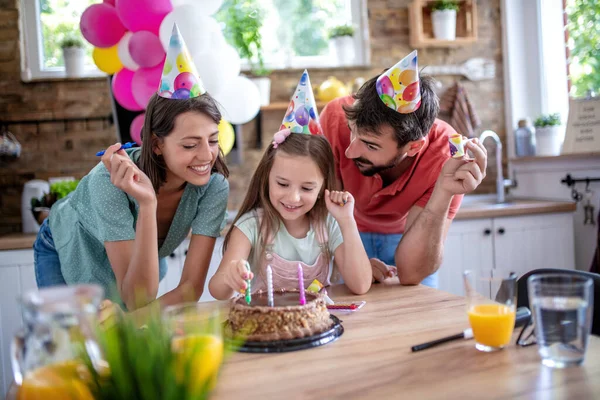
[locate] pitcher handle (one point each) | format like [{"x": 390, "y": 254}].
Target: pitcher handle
[{"x": 17, "y": 347}]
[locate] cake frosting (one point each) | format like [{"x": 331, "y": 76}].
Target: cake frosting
[{"x": 286, "y": 320}]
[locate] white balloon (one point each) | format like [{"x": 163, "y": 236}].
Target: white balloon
[
  {"x": 216, "y": 68},
  {"x": 240, "y": 100},
  {"x": 209, "y": 7},
  {"x": 123, "y": 52},
  {"x": 197, "y": 29}
]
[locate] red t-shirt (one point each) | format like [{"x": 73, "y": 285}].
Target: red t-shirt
[{"x": 384, "y": 209}]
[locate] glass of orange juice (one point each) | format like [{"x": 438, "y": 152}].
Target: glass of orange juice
[
  {"x": 491, "y": 307},
  {"x": 198, "y": 339}
]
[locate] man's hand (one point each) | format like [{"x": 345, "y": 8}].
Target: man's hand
[
  {"x": 381, "y": 270},
  {"x": 460, "y": 176}
]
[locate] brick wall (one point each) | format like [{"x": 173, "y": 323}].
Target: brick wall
[{"x": 64, "y": 147}]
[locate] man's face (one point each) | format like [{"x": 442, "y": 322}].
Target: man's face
[{"x": 373, "y": 153}]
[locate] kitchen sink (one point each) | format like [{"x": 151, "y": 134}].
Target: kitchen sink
[{"x": 477, "y": 200}]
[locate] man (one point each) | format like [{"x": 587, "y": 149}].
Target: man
[{"x": 392, "y": 154}]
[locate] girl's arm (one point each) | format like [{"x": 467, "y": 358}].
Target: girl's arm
[
  {"x": 231, "y": 275},
  {"x": 350, "y": 256}
]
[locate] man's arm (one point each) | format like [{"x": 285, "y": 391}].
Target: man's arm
[{"x": 419, "y": 253}]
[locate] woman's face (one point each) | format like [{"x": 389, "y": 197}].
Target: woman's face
[{"x": 191, "y": 149}]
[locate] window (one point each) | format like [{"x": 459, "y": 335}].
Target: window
[
  {"x": 295, "y": 33},
  {"x": 45, "y": 24}
]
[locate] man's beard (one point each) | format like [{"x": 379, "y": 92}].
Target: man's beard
[{"x": 375, "y": 169}]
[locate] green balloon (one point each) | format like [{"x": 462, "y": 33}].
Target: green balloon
[
  {"x": 388, "y": 101},
  {"x": 167, "y": 68}
]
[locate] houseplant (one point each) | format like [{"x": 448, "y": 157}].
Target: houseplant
[
  {"x": 243, "y": 20},
  {"x": 40, "y": 207},
  {"x": 341, "y": 44},
  {"x": 549, "y": 134},
  {"x": 443, "y": 19},
  {"x": 74, "y": 55}
]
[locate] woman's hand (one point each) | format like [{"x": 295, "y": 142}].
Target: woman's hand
[
  {"x": 340, "y": 205},
  {"x": 236, "y": 276},
  {"x": 125, "y": 175},
  {"x": 381, "y": 270}
]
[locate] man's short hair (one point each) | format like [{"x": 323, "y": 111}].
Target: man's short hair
[{"x": 369, "y": 112}]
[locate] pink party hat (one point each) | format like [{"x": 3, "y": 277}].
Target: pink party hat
[
  {"x": 302, "y": 115},
  {"x": 180, "y": 78},
  {"x": 399, "y": 87}
]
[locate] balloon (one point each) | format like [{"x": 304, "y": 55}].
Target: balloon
[
  {"x": 181, "y": 94},
  {"x": 121, "y": 87},
  {"x": 217, "y": 67},
  {"x": 302, "y": 116},
  {"x": 185, "y": 80},
  {"x": 199, "y": 31},
  {"x": 124, "y": 55},
  {"x": 240, "y": 99},
  {"x": 226, "y": 136},
  {"x": 135, "y": 129},
  {"x": 145, "y": 49},
  {"x": 209, "y": 7},
  {"x": 107, "y": 59},
  {"x": 100, "y": 25},
  {"x": 111, "y": 2},
  {"x": 143, "y": 15},
  {"x": 145, "y": 83},
  {"x": 384, "y": 86}
]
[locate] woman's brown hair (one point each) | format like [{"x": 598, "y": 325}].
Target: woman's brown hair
[
  {"x": 315, "y": 147},
  {"x": 159, "y": 123}
]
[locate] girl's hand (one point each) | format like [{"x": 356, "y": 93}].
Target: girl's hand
[
  {"x": 381, "y": 270},
  {"x": 237, "y": 275},
  {"x": 340, "y": 205},
  {"x": 125, "y": 175}
]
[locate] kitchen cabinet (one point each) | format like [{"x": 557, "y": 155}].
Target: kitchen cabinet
[{"x": 505, "y": 245}]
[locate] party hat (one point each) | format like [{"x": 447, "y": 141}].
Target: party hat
[
  {"x": 399, "y": 88},
  {"x": 180, "y": 78},
  {"x": 302, "y": 115}
]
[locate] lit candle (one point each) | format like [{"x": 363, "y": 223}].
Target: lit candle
[
  {"x": 301, "y": 285},
  {"x": 270, "y": 286},
  {"x": 249, "y": 288}
]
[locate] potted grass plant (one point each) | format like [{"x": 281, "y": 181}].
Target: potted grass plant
[
  {"x": 341, "y": 39},
  {"x": 443, "y": 19},
  {"x": 40, "y": 207},
  {"x": 549, "y": 135},
  {"x": 73, "y": 49}
]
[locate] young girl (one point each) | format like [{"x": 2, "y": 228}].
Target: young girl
[{"x": 136, "y": 207}]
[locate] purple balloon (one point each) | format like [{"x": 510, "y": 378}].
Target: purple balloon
[
  {"x": 145, "y": 83},
  {"x": 100, "y": 25},
  {"x": 181, "y": 94},
  {"x": 135, "y": 130},
  {"x": 185, "y": 80},
  {"x": 312, "y": 113},
  {"x": 121, "y": 87},
  {"x": 302, "y": 116},
  {"x": 384, "y": 86},
  {"x": 143, "y": 15},
  {"x": 146, "y": 49}
]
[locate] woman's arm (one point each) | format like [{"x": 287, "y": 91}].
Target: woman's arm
[
  {"x": 350, "y": 256},
  {"x": 195, "y": 269},
  {"x": 231, "y": 271}
]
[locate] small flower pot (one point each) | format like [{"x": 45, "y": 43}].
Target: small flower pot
[
  {"x": 444, "y": 24},
  {"x": 74, "y": 61}
]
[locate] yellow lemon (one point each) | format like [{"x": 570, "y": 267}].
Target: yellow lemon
[
  {"x": 62, "y": 381},
  {"x": 203, "y": 354}
]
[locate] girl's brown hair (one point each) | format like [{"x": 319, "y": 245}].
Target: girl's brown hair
[
  {"x": 314, "y": 146},
  {"x": 159, "y": 123}
]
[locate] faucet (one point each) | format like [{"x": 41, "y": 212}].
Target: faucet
[{"x": 501, "y": 183}]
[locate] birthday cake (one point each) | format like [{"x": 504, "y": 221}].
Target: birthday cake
[{"x": 287, "y": 319}]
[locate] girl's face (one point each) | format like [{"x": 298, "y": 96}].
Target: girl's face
[
  {"x": 294, "y": 185},
  {"x": 191, "y": 149}
]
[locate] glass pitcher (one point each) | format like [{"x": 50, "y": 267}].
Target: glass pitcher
[{"x": 44, "y": 355}]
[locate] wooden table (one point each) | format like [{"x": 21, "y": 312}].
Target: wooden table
[{"x": 372, "y": 359}]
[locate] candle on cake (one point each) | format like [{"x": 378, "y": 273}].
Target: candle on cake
[
  {"x": 270, "y": 286},
  {"x": 301, "y": 285},
  {"x": 248, "y": 282}
]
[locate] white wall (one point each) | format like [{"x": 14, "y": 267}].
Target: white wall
[{"x": 541, "y": 178}]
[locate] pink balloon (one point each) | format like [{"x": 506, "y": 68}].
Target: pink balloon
[
  {"x": 121, "y": 87},
  {"x": 111, "y": 2},
  {"x": 146, "y": 49},
  {"x": 135, "y": 130},
  {"x": 143, "y": 15},
  {"x": 185, "y": 80},
  {"x": 145, "y": 83},
  {"x": 100, "y": 25}
]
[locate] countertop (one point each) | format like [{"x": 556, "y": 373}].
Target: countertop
[{"x": 473, "y": 206}]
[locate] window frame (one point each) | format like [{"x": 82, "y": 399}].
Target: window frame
[{"x": 32, "y": 62}]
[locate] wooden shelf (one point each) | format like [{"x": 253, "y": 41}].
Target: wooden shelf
[{"x": 421, "y": 29}]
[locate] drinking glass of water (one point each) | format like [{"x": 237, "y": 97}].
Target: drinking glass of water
[{"x": 562, "y": 307}]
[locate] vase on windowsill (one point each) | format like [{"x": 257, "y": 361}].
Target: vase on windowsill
[
  {"x": 341, "y": 45},
  {"x": 74, "y": 56},
  {"x": 263, "y": 83}
]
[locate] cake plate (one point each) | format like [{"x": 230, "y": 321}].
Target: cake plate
[{"x": 282, "y": 346}]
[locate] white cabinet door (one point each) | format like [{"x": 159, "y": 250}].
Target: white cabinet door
[
  {"x": 469, "y": 245},
  {"x": 16, "y": 277},
  {"x": 217, "y": 256},
  {"x": 530, "y": 242}
]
